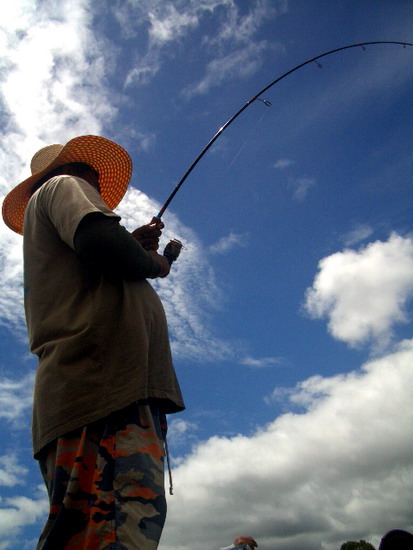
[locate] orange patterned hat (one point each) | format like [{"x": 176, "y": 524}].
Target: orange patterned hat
[{"x": 110, "y": 160}]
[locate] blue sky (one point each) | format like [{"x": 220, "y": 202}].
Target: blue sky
[{"x": 290, "y": 309}]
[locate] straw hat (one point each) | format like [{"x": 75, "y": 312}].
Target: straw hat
[{"x": 110, "y": 160}]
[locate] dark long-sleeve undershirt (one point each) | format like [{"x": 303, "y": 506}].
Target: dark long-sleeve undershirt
[{"x": 105, "y": 245}]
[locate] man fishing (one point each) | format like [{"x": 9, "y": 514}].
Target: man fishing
[{"x": 105, "y": 379}]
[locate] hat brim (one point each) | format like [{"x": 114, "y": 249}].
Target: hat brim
[{"x": 109, "y": 159}]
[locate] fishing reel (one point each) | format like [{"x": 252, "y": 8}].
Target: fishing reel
[{"x": 172, "y": 250}]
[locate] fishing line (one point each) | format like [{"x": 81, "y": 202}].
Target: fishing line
[
  {"x": 267, "y": 103},
  {"x": 245, "y": 141},
  {"x": 237, "y": 154}
]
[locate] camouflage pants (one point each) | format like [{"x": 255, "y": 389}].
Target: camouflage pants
[{"x": 106, "y": 483}]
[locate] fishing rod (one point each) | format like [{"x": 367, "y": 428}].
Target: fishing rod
[{"x": 173, "y": 248}]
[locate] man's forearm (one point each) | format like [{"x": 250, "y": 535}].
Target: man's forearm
[{"x": 104, "y": 244}]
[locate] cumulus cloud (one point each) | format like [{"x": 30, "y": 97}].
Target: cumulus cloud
[
  {"x": 11, "y": 473},
  {"x": 258, "y": 362},
  {"x": 281, "y": 164},
  {"x": 181, "y": 432},
  {"x": 18, "y": 512},
  {"x": 363, "y": 293},
  {"x": 239, "y": 63},
  {"x": 241, "y": 27},
  {"x": 11, "y": 280},
  {"x": 227, "y": 243},
  {"x": 359, "y": 233},
  {"x": 300, "y": 187},
  {"x": 15, "y": 398},
  {"x": 142, "y": 74},
  {"x": 170, "y": 23},
  {"x": 166, "y": 23},
  {"x": 53, "y": 85},
  {"x": 178, "y": 427},
  {"x": 311, "y": 480}
]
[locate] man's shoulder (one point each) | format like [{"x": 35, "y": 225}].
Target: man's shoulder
[{"x": 61, "y": 203}]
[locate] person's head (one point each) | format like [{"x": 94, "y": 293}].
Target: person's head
[
  {"x": 249, "y": 541},
  {"x": 397, "y": 539},
  {"x": 89, "y": 157}
]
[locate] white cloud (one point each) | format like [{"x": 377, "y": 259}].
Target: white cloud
[
  {"x": 361, "y": 232},
  {"x": 53, "y": 87},
  {"x": 17, "y": 512},
  {"x": 260, "y": 362},
  {"x": 11, "y": 279},
  {"x": 20, "y": 511},
  {"x": 242, "y": 27},
  {"x": 54, "y": 82},
  {"x": 15, "y": 398},
  {"x": 170, "y": 23},
  {"x": 11, "y": 473},
  {"x": 312, "y": 480},
  {"x": 283, "y": 163},
  {"x": 240, "y": 63},
  {"x": 181, "y": 430},
  {"x": 227, "y": 243},
  {"x": 301, "y": 187},
  {"x": 364, "y": 293},
  {"x": 142, "y": 74},
  {"x": 167, "y": 23}
]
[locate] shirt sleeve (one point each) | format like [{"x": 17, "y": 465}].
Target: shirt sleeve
[
  {"x": 66, "y": 200},
  {"x": 106, "y": 246}
]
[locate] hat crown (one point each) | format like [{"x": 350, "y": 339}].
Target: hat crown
[{"x": 44, "y": 157}]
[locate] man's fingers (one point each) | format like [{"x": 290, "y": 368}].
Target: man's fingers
[
  {"x": 156, "y": 221},
  {"x": 150, "y": 244},
  {"x": 153, "y": 232}
]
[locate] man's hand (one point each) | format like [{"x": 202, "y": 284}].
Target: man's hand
[
  {"x": 162, "y": 261},
  {"x": 245, "y": 540},
  {"x": 148, "y": 235}
]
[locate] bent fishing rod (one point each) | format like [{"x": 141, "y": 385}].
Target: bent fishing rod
[{"x": 173, "y": 248}]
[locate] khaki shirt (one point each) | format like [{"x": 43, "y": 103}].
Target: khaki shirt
[{"x": 102, "y": 344}]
